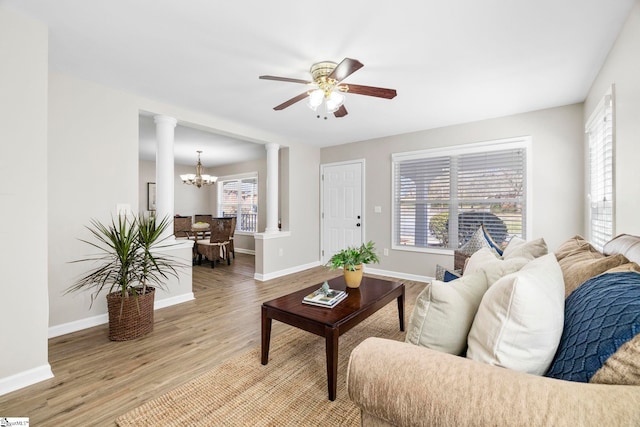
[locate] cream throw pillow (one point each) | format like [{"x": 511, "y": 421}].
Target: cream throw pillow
[
  {"x": 494, "y": 267},
  {"x": 520, "y": 248},
  {"x": 520, "y": 319},
  {"x": 443, "y": 313}
]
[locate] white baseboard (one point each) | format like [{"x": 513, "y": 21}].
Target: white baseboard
[
  {"x": 101, "y": 319},
  {"x": 397, "y": 275},
  {"x": 78, "y": 325},
  {"x": 178, "y": 299},
  {"x": 275, "y": 275},
  {"x": 245, "y": 251},
  {"x": 25, "y": 379},
  {"x": 280, "y": 273}
]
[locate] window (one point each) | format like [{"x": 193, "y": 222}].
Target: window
[
  {"x": 442, "y": 196},
  {"x": 239, "y": 197},
  {"x": 600, "y": 139}
]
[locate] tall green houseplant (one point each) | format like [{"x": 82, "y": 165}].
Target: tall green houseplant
[{"x": 129, "y": 268}]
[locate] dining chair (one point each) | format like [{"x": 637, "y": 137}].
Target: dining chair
[
  {"x": 232, "y": 248},
  {"x": 181, "y": 226},
  {"x": 218, "y": 245}
]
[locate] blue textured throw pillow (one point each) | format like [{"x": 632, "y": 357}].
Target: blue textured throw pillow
[
  {"x": 600, "y": 316},
  {"x": 450, "y": 275},
  {"x": 444, "y": 274}
]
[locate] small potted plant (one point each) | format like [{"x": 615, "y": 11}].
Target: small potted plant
[
  {"x": 351, "y": 260},
  {"x": 129, "y": 269}
]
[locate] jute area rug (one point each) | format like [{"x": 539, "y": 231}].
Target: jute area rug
[{"x": 291, "y": 390}]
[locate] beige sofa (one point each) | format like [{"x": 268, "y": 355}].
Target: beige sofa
[{"x": 401, "y": 384}]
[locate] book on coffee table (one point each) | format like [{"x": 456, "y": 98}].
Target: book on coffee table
[{"x": 322, "y": 298}]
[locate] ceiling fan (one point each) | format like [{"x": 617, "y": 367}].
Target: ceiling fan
[{"x": 327, "y": 87}]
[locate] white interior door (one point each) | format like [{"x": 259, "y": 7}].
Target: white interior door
[{"x": 342, "y": 220}]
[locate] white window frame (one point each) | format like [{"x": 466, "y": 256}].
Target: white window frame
[
  {"x": 239, "y": 177},
  {"x": 471, "y": 148},
  {"x": 600, "y": 167}
]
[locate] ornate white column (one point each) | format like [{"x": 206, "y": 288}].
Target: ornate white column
[
  {"x": 165, "y": 134},
  {"x": 272, "y": 188}
]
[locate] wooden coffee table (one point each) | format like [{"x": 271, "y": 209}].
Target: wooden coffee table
[{"x": 362, "y": 302}]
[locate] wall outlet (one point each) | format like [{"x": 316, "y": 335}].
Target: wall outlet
[
  {"x": 377, "y": 209},
  {"x": 385, "y": 251},
  {"x": 280, "y": 252}
]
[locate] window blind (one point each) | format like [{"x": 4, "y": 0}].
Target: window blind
[
  {"x": 600, "y": 140},
  {"x": 440, "y": 199}
]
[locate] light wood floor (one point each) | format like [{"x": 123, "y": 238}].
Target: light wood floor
[{"x": 97, "y": 380}]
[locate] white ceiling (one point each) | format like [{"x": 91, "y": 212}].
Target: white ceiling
[
  {"x": 450, "y": 61},
  {"x": 217, "y": 149}
]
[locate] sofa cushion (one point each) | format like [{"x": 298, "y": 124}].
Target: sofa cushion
[
  {"x": 494, "y": 268},
  {"x": 519, "y": 321},
  {"x": 580, "y": 261},
  {"x": 443, "y": 313},
  {"x": 520, "y": 248},
  {"x": 600, "y": 317},
  {"x": 624, "y": 244},
  {"x": 573, "y": 245},
  {"x": 622, "y": 367},
  {"x": 630, "y": 266},
  {"x": 478, "y": 259}
]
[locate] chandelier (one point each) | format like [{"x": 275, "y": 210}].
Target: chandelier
[{"x": 198, "y": 179}]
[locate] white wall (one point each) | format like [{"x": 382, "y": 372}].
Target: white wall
[
  {"x": 23, "y": 202},
  {"x": 557, "y": 177},
  {"x": 93, "y": 135},
  {"x": 297, "y": 247},
  {"x": 188, "y": 199},
  {"x": 622, "y": 68}
]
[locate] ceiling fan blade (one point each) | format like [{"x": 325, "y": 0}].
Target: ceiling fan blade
[
  {"x": 340, "y": 112},
  {"x": 285, "y": 79},
  {"x": 379, "y": 92},
  {"x": 291, "y": 101},
  {"x": 344, "y": 69}
]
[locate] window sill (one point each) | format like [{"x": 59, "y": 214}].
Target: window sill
[{"x": 439, "y": 251}]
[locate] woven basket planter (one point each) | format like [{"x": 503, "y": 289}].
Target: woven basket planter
[{"x": 130, "y": 318}]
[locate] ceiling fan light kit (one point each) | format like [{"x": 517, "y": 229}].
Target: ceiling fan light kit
[
  {"x": 328, "y": 90},
  {"x": 334, "y": 101},
  {"x": 315, "y": 99},
  {"x": 198, "y": 179}
]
